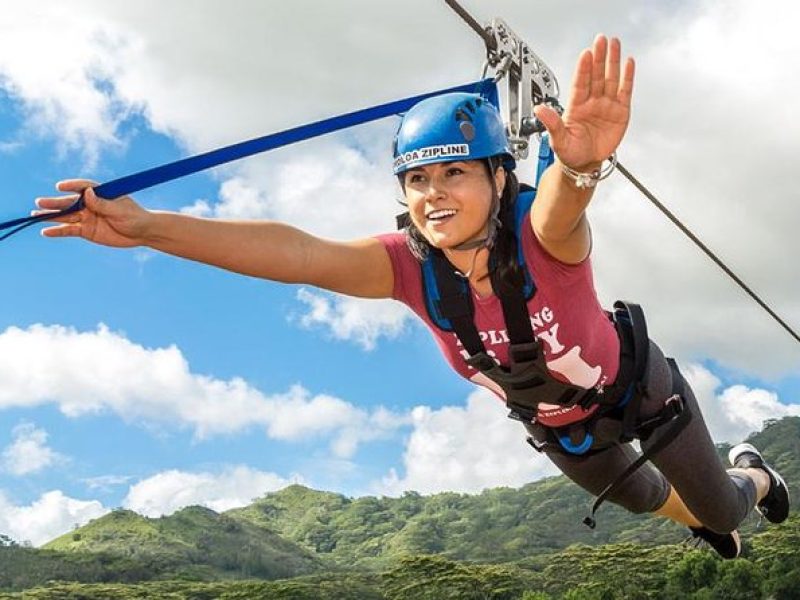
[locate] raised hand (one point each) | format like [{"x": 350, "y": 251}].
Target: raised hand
[
  {"x": 120, "y": 223},
  {"x": 598, "y": 109}
]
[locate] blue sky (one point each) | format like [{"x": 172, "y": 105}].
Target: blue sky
[{"x": 140, "y": 380}]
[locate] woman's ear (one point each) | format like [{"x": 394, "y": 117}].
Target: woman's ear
[{"x": 500, "y": 181}]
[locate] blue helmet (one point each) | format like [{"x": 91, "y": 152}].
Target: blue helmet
[{"x": 454, "y": 126}]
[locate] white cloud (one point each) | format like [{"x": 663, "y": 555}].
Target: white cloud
[
  {"x": 470, "y": 448},
  {"x": 331, "y": 189},
  {"x": 91, "y": 372},
  {"x": 466, "y": 449},
  {"x": 28, "y": 452},
  {"x": 200, "y": 208},
  {"x": 53, "y": 514},
  {"x": 105, "y": 483},
  {"x": 164, "y": 493},
  {"x": 710, "y": 148},
  {"x": 710, "y": 134},
  {"x": 361, "y": 320},
  {"x": 61, "y": 64},
  {"x": 736, "y": 411}
]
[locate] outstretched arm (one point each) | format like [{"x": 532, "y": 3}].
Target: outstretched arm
[
  {"x": 593, "y": 125},
  {"x": 265, "y": 249}
]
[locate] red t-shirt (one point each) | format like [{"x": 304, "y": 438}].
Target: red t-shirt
[{"x": 580, "y": 343}]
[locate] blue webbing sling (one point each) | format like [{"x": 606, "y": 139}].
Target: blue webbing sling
[{"x": 200, "y": 162}]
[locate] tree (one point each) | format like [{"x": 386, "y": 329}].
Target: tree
[
  {"x": 785, "y": 587},
  {"x": 528, "y": 595},
  {"x": 695, "y": 571},
  {"x": 590, "y": 592},
  {"x": 739, "y": 580}
]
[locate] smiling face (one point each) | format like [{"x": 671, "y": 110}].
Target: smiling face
[{"x": 449, "y": 202}]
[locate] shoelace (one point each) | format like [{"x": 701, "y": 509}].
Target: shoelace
[{"x": 695, "y": 541}]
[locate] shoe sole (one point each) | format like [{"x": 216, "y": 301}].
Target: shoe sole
[
  {"x": 723, "y": 549},
  {"x": 777, "y": 484}
]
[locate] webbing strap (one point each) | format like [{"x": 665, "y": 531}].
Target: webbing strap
[
  {"x": 200, "y": 162},
  {"x": 675, "y": 413},
  {"x": 640, "y": 340},
  {"x": 546, "y": 158},
  {"x": 455, "y": 303}
]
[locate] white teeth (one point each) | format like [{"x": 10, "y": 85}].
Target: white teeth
[{"x": 441, "y": 214}]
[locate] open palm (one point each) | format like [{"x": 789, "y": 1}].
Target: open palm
[{"x": 598, "y": 109}]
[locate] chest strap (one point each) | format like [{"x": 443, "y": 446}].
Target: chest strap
[{"x": 526, "y": 381}]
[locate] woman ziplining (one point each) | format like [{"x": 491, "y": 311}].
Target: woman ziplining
[{"x": 506, "y": 288}]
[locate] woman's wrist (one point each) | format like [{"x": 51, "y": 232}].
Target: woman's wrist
[
  {"x": 587, "y": 176},
  {"x": 155, "y": 228}
]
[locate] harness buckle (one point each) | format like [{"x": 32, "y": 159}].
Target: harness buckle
[
  {"x": 672, "y": 409},
  {"x": 482, "y": 362},
  {"x": 522, "y": 415},
  {"x": 540, "y": 448},
  {"x": 675, "y": 402}
]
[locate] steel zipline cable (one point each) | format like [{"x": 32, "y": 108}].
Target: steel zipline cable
[
  {"x": 677, "y": 222},
  {"x": 194, "y": 164},
  {"x": 490, "y": 46}
]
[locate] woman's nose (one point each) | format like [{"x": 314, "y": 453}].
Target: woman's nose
[{"x": 436, "y": 188}]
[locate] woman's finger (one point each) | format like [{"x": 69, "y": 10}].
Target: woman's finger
[
  {"x": 599, "y": 65},
  {"x": 74, "y": 185},
  {"x": 55, "y": 203},
  {"x": 57, "y": 216},
  {"x": 552, "y": 122},
  {"x": 96, "y": 204},
  {"x": 582, "y": 78},
  {"x": 611, "y": 87},
  {"x": 626, "y": 85},
  {"x": 66, "y": 230}
]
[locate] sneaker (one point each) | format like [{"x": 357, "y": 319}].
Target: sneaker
[
  {"x": 775, "y": 505},
  {"x": 727, "y": 545}
]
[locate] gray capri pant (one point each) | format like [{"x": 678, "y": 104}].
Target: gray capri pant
[{"x": 689, "y": 463}]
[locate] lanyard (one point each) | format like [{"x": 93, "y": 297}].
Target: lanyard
[{"x": 200, "y": 162}]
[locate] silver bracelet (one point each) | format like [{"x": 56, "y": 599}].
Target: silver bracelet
[{"x": 589, "y": 180}]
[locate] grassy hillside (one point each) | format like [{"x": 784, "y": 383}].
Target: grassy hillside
[
  {"x": 298, "y": 531},
  {"x": 611, "y": 572},
  {"x": 500, "y": 524},
  {"x": 194, "y": 542}
]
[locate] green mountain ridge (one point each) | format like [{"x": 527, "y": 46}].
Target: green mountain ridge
[
  {"x": 299, "y": 533},
  {"x": 626, "y": 571},
  {"x": 497, "y": 525},
  {"x": 214, "y": 544}
]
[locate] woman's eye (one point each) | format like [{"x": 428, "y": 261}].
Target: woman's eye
[
  {"x": 454, "y": 171},
  {"x": 414, "y": 178}
]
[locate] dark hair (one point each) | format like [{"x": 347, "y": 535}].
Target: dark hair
[{"x": 503, "y": 258}]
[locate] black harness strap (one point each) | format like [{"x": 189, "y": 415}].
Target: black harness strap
[
  {"x": 515, "y": 310},
  {"x": 455, "y": 304},
  {"x": 633, "y": 337},
  {"x": 675, "y": 412},
  {"x": 526, "y": 381}
]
